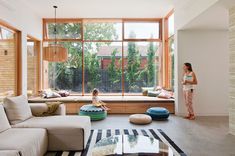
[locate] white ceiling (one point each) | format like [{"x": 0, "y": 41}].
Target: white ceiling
[
  {"x": 100, "y": 8},
  {"x": 216, "y": 17}
]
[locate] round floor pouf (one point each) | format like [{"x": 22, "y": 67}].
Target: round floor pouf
[
  {"x": 95, "y": 113},
  {"x": 140, "y": 119},
  {"x": 158, "y": 113}
]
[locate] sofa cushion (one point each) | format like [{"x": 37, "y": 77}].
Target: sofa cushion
[
  {"x": 3, "y": 120},
  {"x": 9, "y": 153},
  {"x": 64, "y": 132},
  {"x": 17, "y": 109},
  {"x": 28, "y": 141}
]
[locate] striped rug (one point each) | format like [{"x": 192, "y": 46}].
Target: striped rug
[{"x": 96, "y": 135}]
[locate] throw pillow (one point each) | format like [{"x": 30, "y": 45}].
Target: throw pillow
[
  {"x": 63, "y": 93},
  {"x": 3, "y": 120},
  {"x": 165, "y": 94},
  {"x": 48, "y": 93},
  {"x": 17, "y": 109},
  {"x": 145, "y": 90},
  {"x": 154, "y": 93}
]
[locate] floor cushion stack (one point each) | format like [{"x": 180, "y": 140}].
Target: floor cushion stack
[
  {"x": 95, "y": 113},
  {"x": 158, "y": 113}
]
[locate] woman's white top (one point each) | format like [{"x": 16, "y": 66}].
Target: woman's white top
[{"x": 188, "y": 77}]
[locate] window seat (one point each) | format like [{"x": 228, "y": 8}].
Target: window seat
[{"x": 118, "y": 104}]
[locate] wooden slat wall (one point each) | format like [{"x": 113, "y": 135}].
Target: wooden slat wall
[
  {"x": 7, "y": 66},
  {"x": 32, "y": 70}
]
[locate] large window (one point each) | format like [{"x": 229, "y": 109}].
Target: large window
[
  {"x": 117, "y": 56},
  {"x": 171, "y": 61},
  {"x": 141, "y": 30},
  {"x": 65, "y": 29},
  {"x": 103, "y": 67},
  {"x": 8, "y": 62},
  {"x": 65, "y": 75},
  {"x": 169, "y": 50},
  {"x": 140, "y": 65}
]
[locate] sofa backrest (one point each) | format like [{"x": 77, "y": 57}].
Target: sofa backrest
[{"x": 4, "y": 123}]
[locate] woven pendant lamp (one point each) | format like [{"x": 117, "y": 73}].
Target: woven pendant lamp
[{"x": 55, "y": 52}]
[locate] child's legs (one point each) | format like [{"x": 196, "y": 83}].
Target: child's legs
[{"x": 103, "y": 107}]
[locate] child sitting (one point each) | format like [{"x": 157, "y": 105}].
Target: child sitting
[{"x": 95, "y": 100}]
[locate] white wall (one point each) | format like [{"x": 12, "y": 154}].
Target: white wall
[
  {"x": 185, "y": 12},
  {"x": 208, "y": 52},
  {"x": 23, "y": 19},
  {"x": 19, "y": 16}
]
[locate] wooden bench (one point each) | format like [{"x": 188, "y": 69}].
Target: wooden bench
[{"x": 117, "y": 104}]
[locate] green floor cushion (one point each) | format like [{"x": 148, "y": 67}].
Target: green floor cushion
[
  {"x": 158, "y": 113},
  {"x": 95, "y": 113}
]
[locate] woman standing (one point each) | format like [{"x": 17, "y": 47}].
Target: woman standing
[{"x": 189, "y": 79}]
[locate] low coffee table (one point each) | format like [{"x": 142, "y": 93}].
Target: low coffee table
[{"x": 131, "y": 145}]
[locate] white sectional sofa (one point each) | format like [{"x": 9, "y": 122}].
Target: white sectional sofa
[
  {"x": 9, "y": 152},
  {"x": 26, "y": 135}
]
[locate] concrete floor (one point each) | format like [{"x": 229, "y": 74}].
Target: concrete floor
[{"x": 205, "y": 136}]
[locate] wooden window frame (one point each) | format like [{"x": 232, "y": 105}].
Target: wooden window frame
[
  {"x": 18, "y": 56},
  {"x": 82, "y": 40},
  {"x": 37, "y": 47},
  {"x": 166, "y": 71}
]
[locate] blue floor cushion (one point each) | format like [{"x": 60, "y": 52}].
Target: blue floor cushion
[
  {"x": 158, "y": 113},
  {"x": 95, "y": 113}
]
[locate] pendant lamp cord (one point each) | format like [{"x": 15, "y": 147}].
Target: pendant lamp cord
[{"x": 55, "y": 28}]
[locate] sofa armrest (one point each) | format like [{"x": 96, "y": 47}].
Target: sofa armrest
[
  {"x": 37, "y": 108},
  {"x": 10, "y": 153}
]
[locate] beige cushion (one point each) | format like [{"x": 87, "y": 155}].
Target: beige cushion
[
  {"x": 28, "y": 141},
  {"x": 140, "y": 119},
  {"x": 64, "y": 132},
  {"x": 17, "y": 109},
  {"x": 4, "y": 123}
]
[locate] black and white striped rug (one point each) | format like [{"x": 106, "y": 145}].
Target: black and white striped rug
[{"x": 96, "y": 135}]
